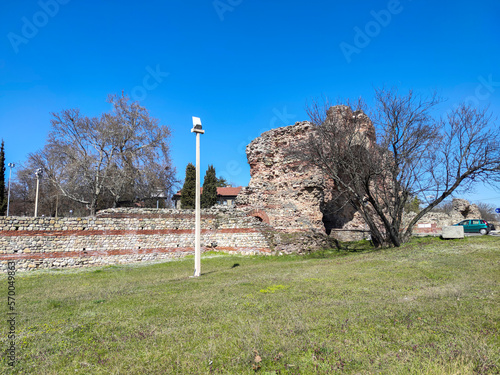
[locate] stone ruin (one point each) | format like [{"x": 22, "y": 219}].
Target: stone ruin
[
  {"x": 293, "y": 199},
  {"x": 462, "y": 209},
  {"x": 291, "y": 196},
  {"x": 433, "y": 222}
]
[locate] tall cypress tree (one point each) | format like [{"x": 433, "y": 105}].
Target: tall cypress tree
[
  {"x": 209, "y": 196},
  {"x": 3, "y": 193},
  {"x": 189, "y": 187},
  {"x": 221, "y": 182}
]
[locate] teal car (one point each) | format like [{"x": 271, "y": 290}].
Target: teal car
[{"x": 475, "y": 226}]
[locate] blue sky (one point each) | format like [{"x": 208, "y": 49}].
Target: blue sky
[{"x": 242, "y": 66}]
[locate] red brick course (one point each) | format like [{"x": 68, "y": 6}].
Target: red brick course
[
  {"x": 116, "y": 215},
  {"x": 433, "y": 229}
]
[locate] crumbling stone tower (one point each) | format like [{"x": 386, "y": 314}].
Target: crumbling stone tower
[{"x": 290, "y": 195}]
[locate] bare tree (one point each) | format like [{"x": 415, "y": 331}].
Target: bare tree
[
  {"x": 406, "y": 154},
  {"x": 142, "y": 166},
  {"x": 487, "y": 211},
  {"x": 123, "y": 155},
  {"x": 51, "y": 201}
]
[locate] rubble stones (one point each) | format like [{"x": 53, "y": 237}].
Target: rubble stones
[{"x": 462, "y": 209}]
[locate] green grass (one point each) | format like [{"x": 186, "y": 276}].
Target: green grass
[{"x": 429, "y": 307}]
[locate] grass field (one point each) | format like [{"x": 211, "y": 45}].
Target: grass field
[{"x": 429, "y": 307}]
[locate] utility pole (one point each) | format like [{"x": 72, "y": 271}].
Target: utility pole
[
  {"x": 11, "y": 165},
  {"x": 38, "y": 174},
  {"x": 197, "y": 252}
]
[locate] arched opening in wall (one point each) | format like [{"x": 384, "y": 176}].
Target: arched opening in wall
[{"x": 260, "y": 215}]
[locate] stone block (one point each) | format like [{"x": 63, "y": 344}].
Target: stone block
[{"x": 450, "y": 232}]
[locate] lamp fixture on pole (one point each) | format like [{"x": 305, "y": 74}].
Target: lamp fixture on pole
[{"x": 197, "y": 252}]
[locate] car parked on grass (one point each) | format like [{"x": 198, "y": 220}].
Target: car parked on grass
[{"x": 476, "y": 226}]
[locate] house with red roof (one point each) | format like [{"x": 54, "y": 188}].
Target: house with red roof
[{"x": 225, "y": 196}]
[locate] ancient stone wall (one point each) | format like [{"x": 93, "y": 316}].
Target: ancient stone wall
[
  {"x": 125, "y": 235},
  {"x": 290, "y": 195},
  {"x": 294, "y": 197},
  {"x": 282, "y": 191},
  {"x": 433, "y": 222}
]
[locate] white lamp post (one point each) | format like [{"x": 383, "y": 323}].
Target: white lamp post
[
  {"x": 38, "y": 174},
  {"x": 11, "y": 165},
  {"x": 197, "y": 251}
]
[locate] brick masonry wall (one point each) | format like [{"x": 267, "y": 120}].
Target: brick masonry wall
[
  {"x": 125, "y": 235},
  {"x": 291, "y": 195}
]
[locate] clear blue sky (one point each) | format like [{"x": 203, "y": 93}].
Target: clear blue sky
[{"x": 243, "y": 66}]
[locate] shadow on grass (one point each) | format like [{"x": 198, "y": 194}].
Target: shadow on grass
[{"x": 366, "y": 246}]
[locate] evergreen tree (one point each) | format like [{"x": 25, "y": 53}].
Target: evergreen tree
[
  {"x": 209, "y": 196},
  {"x": 413, "y": 205},
  {"x": 189, "y": 187},
  {"x": 222, "y": 182},
  {"x": 3, "y": 193}
]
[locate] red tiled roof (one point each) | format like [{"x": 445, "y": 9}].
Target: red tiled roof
[{"x": 222, "y": 191}]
